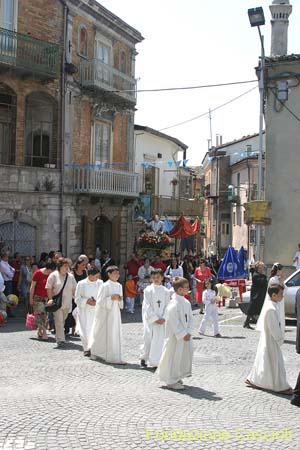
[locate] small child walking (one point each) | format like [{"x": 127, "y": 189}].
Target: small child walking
[
  {"x": 130, "y": 291},
  {"x": 211, "y": 311},
  {"x": 176, "y": 360},
  {"x": 156, "y": 299},
  {"x": 268, "y": 371}
]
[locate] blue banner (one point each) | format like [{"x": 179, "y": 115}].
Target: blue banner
[{"x": 230, "y": 268}]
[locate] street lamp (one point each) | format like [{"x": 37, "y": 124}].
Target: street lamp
[{"x": 257, "y": 18}]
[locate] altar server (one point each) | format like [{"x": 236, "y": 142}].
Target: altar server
[
  {"x": 156, "y": 299},
  {"x": 106, "y": 339},
  {"x": 85, "y": 298},
  {"x": 268, "y": 371},
  {"x": 176, "y": 360}
]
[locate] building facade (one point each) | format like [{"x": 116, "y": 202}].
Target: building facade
[
  {"x": 230, "y": 172},
  {"x": 163, "y": 176},
  {"x": 30, "y": 132},
  {"x": 69, "y": 110},
  {"x": 282, "y": 112},
  {"x": 170, "y": 187},
  {"x": 244, "y": 179}
]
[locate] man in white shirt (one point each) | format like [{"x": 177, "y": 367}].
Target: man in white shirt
[
  {"x": 296, "y": 259},
  {"x": 7, "y": 273}
]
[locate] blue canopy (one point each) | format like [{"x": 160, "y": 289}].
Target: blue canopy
[
  {"x": 243, "y": 260},
  {"x": 230, "y": 268}
]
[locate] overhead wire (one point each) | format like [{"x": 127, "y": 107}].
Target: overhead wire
[
  {"x": 208, "y": 112},
  {"x": 204, "y": 86},
  {"x": 285, "y": 106}
]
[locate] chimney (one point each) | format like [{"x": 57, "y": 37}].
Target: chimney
[{"x": 280, "y": 11}]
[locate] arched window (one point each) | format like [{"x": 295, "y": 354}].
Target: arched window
[
  {"x": 123, "y": 62},
  {"x": 83, "y": 41},
  {"x": 8, "y": 112},
  {"x": 40, "y": 130}
]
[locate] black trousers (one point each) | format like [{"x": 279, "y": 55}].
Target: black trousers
[{"x": 296, "y": 394}]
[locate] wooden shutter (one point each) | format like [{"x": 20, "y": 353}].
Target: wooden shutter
[{"x": 88, "y": 236}]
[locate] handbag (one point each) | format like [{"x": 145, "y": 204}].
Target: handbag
[
  {"x": 57, "y": 300},
  {"x": 30, "y": 321}
]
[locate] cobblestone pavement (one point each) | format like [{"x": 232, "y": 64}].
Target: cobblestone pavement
[{"x": 57, "y": 399}]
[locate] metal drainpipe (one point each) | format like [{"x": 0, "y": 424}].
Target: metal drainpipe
[{"x": 63, "y": 110}]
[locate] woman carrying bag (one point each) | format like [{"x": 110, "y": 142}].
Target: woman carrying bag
[
  {"x": 63, "y": 284},
  {"x": 38, "y": 298}
]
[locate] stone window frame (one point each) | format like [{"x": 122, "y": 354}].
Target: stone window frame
[
  {"x": 44, "y": 98},
  {"x": 83, "y": 27},
  {"x": 11, "y": 112},
  {"x": 125, "y": 69},
  {"x": 16, "y": 4},
  {"x": 108, "y": 123}
]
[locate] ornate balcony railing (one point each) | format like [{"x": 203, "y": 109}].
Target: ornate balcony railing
[
  {"x": 105, "y": 182},
  {"x": 29, "y": 54},
  {"x": 96, "y": 74}
]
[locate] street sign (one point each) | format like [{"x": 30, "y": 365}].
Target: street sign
[{"x": 257, "y": 213}]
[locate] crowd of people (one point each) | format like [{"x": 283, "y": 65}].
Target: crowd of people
[{"x": 92, "y": 300}]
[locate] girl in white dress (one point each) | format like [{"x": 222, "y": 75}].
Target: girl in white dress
[{"x": 209, "y": 298}]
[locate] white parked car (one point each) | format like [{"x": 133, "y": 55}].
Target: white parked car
[{"x": 292, "y": 284}]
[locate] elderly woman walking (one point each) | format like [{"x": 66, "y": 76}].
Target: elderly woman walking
[{"x": 58, "y": 281}]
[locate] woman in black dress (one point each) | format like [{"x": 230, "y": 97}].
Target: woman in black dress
[{"x": 258, "y": 292}]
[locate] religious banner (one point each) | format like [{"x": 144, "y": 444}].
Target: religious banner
[
  {"x": 142, "y": 208},
  {"x": 257, "y": 213}
]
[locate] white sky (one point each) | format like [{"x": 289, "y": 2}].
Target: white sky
[{"x": 197, "y": 42}]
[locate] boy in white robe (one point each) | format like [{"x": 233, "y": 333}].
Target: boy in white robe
[
  {"x": 176, "y": 360},
  {"x": 85, "y": 298},
  {"x": 156, "y": 299},
  {"x": 268, "y": 371},
  {"x": 106, "y": 338}
]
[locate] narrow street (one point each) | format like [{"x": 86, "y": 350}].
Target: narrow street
[{"x": 57, "y": 399}]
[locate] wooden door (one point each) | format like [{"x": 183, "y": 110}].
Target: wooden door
[{"x": 88, "y": 236}]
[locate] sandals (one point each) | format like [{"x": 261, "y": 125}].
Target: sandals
[
  {"x": 289, "y": 391},
  {"x": 40, "y": 335},
  {"x": 285, "y": 392}
]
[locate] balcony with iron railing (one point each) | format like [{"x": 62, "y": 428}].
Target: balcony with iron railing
[
  {"x": 28, "y": 55},
  {"x": 96, "y": 74},
  {"x": 170, "y": 206},
  {"x": 104, "y": 181}
]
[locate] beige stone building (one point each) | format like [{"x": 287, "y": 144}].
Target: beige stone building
[{"x": 282, "y": 114}]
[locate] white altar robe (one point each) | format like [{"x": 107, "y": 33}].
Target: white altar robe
[
  {"x": 106, "y": 336},
  {"x": 176, "y": 360},
  {"x": 268, "y": 371},
  {"x": 86, "y": 313},
  {"x": 156, "y": 299}
]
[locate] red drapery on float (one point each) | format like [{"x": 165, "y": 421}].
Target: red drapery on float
[{"x": 183, "y": 228}]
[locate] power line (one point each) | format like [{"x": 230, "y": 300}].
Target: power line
[
  {"x": 185, "y": 88},
  {"x": 285, "y": 106},
  {"x": 207, "y": 112}
]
